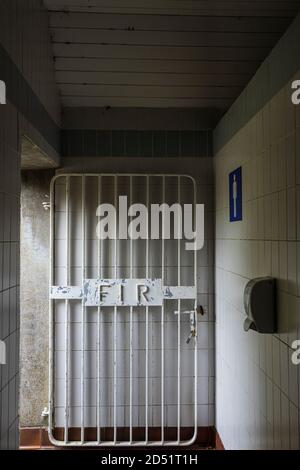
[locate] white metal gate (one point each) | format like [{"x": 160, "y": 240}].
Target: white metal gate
[{"x": 123, "y": 366}]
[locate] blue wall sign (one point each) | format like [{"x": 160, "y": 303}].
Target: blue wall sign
[{"x": 235, "y": 195}]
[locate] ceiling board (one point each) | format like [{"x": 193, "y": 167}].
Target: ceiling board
[
  {"x": 184, "y": 54},
  {"x": 165, "y": 67},
  {"x": 180, "y": 7},
  {"x": 115, "y": 22},
  {"x": 162, "y": 38},
  {"x": 145, "y": 102},
  {"x": 150, "y": 79}
]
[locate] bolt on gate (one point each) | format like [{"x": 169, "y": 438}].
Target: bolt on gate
[{"x": 123, "y": 313}]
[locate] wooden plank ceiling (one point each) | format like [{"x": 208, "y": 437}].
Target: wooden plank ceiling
[{"x": 161, "y": 54}]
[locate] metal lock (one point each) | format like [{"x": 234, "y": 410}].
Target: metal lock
[{"x": 192, "y": 326}]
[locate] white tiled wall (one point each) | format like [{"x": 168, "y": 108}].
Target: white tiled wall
[
  {"x": 23, "y": 33},
  {"x": 9, "y": 273},
  {"x": 258, "y": 387}
]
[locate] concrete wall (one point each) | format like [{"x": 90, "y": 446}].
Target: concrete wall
[
  {"x": 31, "y": 103},
  {"x": 34, "y": 288},
  {"x": 258, "y": 387}
]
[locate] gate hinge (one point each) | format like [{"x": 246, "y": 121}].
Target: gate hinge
[{"x": 201, "y": 310}]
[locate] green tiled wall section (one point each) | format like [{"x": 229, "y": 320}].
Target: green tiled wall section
[{"x": 129, "y": 143}]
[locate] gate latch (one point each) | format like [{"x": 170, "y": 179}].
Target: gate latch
[
  {"x": 192, "y": 326},
  {"x": 192, "y": 314}
]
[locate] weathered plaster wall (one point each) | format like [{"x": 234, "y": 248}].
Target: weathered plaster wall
[{"x": 34, "y": 296}]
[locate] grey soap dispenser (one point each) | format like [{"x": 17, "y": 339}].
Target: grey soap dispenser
[{"x": 260, "y": 305}]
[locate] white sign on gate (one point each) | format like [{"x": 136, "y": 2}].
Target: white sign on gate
[{"x": 123, "y": 292}]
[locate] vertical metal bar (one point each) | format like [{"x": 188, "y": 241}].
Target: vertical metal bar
[
  {"x": 51, "y": 336},
  {"x": 67, "y": 312},
  {"x": 178, "y": 319},
  {"x": 130, "y": 326},
  {"x": 115, "y": 318},
  {"x": 163, "y": 319},
  {"x": 195, "y": 339},
  {"x": 83, "y": 262},
  {"x": 147, "y": 319},
  {"x": 98, "y": 358}
]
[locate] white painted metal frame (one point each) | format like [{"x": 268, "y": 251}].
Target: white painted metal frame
[{"x": 115, "y": 442}]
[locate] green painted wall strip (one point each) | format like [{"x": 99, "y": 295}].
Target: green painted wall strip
[
  {"x": 131, "y": 143},
  {"x": 274, "y": 73},
  {"x": 21, "y": 95}
]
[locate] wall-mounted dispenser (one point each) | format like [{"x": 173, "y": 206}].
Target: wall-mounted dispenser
[{"x": 260, "y": 305}]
